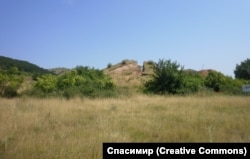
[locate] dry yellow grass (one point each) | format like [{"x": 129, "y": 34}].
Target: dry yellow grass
[{"x": 76, "y": 128}]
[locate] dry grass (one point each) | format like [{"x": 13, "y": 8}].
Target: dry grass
[{"x": 76, "y": 128}]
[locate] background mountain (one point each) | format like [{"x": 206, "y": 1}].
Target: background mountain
[
  {"x": 7, "y": 63},
  {"x": 59, "y": 70}
]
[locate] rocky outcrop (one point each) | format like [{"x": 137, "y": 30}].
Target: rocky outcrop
[
  {"x": 128, "y": 72},
  {"x": 205, "y": 73},
  {"x": 128, "y": 66}
]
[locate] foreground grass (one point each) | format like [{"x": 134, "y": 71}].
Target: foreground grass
[{"x": 76, "y": 128}]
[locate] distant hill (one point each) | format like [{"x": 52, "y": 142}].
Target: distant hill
[
  {"x": 6, "y": 63},
  {"x": 59, "y": 70}
]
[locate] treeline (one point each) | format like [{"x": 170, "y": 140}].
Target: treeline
[
  {"x": 24, "y": 66},
  {"x": 168, "y": 78},
  {"x": 10, "y": 81},
  {"x": 81, "y": 81}
]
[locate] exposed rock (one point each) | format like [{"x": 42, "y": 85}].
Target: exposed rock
[
  {"x": 125, "y": 73},
  {"x": 205, "y": 73},
  {"x": 129, "y": 73}
]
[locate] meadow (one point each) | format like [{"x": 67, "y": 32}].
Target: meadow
[{"x": 32, "y": 128}]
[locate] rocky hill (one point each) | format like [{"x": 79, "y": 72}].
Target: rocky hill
[
  {"x": 125, "y": 73},
  {"x": 129, "y": 73}
]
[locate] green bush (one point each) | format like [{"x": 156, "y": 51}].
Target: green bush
[
  {"x": 192, "y": 83},
  {"x": 167, "y": 78},
  {"x": 215, "y": 80},
  {"x": 221, "y": 83},
  {"x": 47, "y": 83},
  {"x": 109, "y": 65},
  {"x": 124, "y": 62},
  {"x": 242, "y": 71},
  {"x": 10, "y": 82},
  {"x": 81, "y": 81}
]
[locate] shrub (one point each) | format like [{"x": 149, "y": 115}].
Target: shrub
[
  {"x": 221, "y": 83},
  {"x": 242, "y": 71},
  {"x": 10, "y": 82},
  {"x": 124, "y": 62},
  {"x": 215, "y": 80},
  {"x": 192, "y": 83},
  {"x": 109, "y": 65},
  {"x": 47, "y": 83},
  {"x": 81, "y": 81},
  {"x": 167, "y": 78}
]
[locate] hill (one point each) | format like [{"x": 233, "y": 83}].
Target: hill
[
  {"x": 125, "y": 73},
  {"x": 129, "y": 73},
  {"x": 6, "y": 63},
  {"x": 59, "y": 70}
]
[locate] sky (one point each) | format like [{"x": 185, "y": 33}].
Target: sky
[{"x": 198, "y": 34}]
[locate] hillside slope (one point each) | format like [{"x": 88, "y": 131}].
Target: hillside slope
[
  {"x": 6, "y": 63},
  {"x": 129, "y": 73}
]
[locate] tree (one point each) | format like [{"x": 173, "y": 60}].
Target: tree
[
  {"x": 192, "y": 83},
  {"x": 10, "y": 82},
  {"x": 168, "y": 78},
  {"x": 81, "y": 81},
  {"x": 242, "y": 71},
  {"x": 47, "y": 83},
  {"x": 109, "y": 65},
  {"x": 215, "y": 80}
]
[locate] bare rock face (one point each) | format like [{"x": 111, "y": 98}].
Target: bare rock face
[
  {"x": 131, "y": 67},
  {"x": 125, "y": 67},
  {"x": 148, "y": 68},
  {"x": 127, "y": 72},
  {"x": 205, "y": 73}
]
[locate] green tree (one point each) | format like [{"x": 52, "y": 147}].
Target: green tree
[
  {"x": 81, "y": 81},
  {"x": 167, "y": 78},
  {"x": 242, "y": 71},
  {"x": 47, "y": 83},
  {"x": 10, "y": 82},
  {"x": 215, "y": 80},
  {"x": 67, "y": 80},
  {"x": 192, "y": 83},
  {"x": 109, "y": 65}
]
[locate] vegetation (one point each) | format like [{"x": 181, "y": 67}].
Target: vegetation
[
  {"x": 76, "y": 128},
  {"x": 215, "y": 80},
  {"x": 167, "y": 78},
  {"x": 164, "y": 77},
  {"x": 192, "y": 83},
  {"x": 242, "y": 70},
  {"x": 124, "y": 62},
  {"x": 59, "y": 70},
  {"x": 220, "y": 83},
  {"x": 6, "y": 63},
  {"x": 81, "y": 81},
  {"x": 109, "y": 65},
  {"x": 10, "y": 82}
]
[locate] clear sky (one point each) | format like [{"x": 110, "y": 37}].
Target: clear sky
[{"x": 198, "y": 34}]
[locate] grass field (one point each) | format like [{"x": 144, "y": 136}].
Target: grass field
[{"x": 76, "y": 128}]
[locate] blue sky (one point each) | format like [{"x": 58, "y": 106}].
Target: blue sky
[{"x": 198, "y": 34}]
